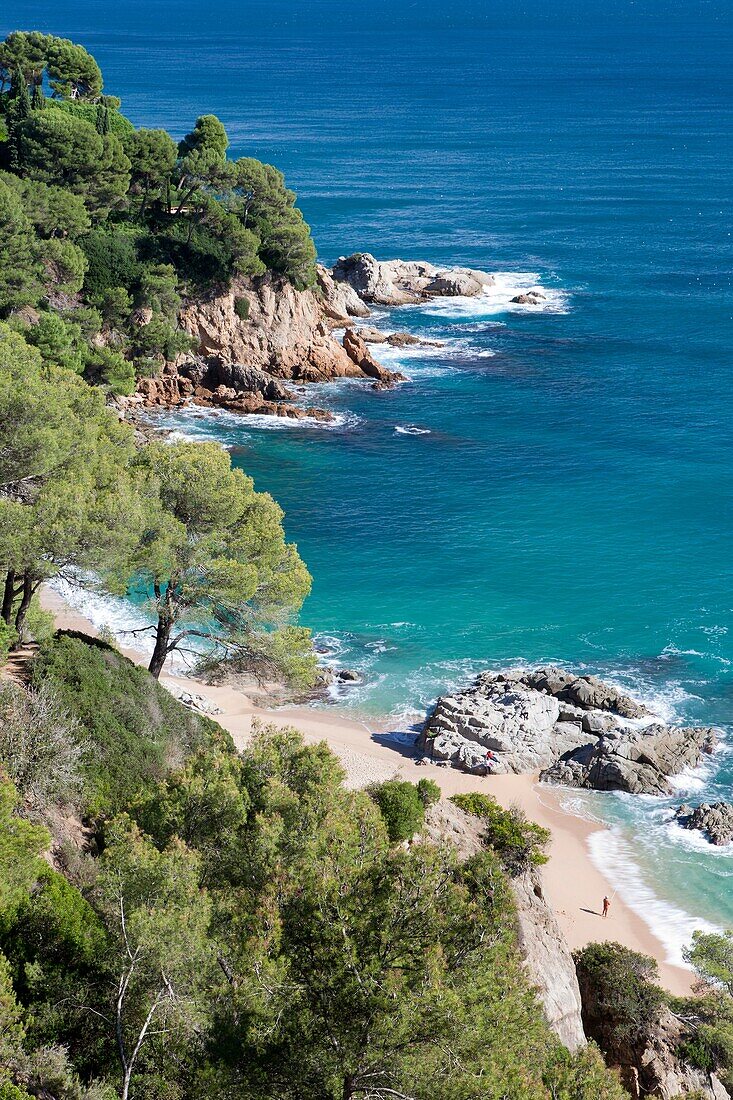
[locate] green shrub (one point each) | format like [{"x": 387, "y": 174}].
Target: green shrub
[
  {"x": 519, "y": 843},
  {"x": 12, "y": 1092},
  {"x": 113, "y": 260},
  {"x": 621, "y": 999},
  {"x": 132, "y": 727},
  {"x": 115, "y": 122},
  {"x": 241, "y": 308},
  {"x": 428, "y": 792},
  {"x": 400, "y": 806}
]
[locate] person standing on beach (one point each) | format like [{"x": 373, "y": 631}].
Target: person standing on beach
[{"x": 606, "y": 906}]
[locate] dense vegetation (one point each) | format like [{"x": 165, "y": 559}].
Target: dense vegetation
[
  {"x": 103, "y": 226},
  {"x": 239, "y": 925}
]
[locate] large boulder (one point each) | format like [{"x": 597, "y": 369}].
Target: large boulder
[
  {"x": 401, "y": 282},
  {"x": 339, "y": 300},
  {"x": 714, "y": 820},
  {"x": 576, "y": 730},
  {"x": 359, "y": 354},
  {"x": 640, "y": 761}
]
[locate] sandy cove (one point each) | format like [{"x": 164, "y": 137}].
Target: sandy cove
[{"x": 574, "y": 887}]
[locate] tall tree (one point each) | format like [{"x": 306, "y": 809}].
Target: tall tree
[
  {"x": 215, "y": 557},
  {"x": 161, "y": 963}
]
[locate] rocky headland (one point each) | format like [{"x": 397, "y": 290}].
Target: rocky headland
[
  {"x": 575, "y": 730},
  {"x": 262, "y": 333}
]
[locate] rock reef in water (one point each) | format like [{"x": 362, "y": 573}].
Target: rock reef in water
[
  {"x": 714, "y": 820},
  {"x": 402, "y": 282},
  {"x": 576, "y": 730}
]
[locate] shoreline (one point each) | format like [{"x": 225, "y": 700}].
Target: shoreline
[{"x": 573, "y": 885}]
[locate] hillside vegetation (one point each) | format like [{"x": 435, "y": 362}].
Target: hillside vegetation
[{"x": 103, "y": 226}]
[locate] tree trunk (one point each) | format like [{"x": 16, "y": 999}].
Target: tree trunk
[
  {"x": 25, "y": 602},
  {"x": 160, "y": 652},
  {"x": 9, "y": 596}
]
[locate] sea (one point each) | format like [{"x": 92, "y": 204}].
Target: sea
[{"x": 554, "y": 482}]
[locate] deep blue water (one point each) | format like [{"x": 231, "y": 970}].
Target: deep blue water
[{"x": 573, "y": 498}]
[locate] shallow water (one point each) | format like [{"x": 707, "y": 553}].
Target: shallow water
[{"x": 553, "y": 484}]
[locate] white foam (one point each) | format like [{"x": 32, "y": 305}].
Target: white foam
[
  {"x": 497, "y": 299},
  {"x": 410, "y": 429},
  {"x": 673, "y": 926},
  {"x": 232, "y": 428}
]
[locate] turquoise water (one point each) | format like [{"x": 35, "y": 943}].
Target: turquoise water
[{"x": 571, "y": 498}]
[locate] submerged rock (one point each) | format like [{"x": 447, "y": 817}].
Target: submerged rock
[
  {"x": 575, "y": 730},
  {"x": 715, "y": 820}
]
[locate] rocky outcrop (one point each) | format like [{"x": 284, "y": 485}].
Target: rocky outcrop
[
  {"x": 531, "y": 298},
  {"x": 548, "y": 958},
  {"x": 576, "y": 730},
  {"x": 229, "y": 386},
  {"x": 360, "y": 355},
  {"x": 714, "y": 820},
  {"x": 259, "y": 334},
  {"x": 400, "y": 282},
  {"x": 640, "y": 761},
  {"x": 284, "y": 331},
  {"x": 339, "y": 301},
  {"x": 647, "y": 1058}
]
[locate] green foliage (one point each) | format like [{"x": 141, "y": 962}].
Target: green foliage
[
  {"x": 20, "y": 267},
  {"x": 711, "y": 954},
  {"x": 157, "y": 917},
  {"x": 61, "y": 149},
  {"x": 428, "y": 792},
  {"x": 20, "y": 846},
  {"x": 621, "y": 999},
  {"x": 58, "y": 342},
  {"x": 215, "y": 556},
  {"x": 52, "y": 211},
  {"x": 114, "y": 122},
  {"x": 519, "y": 843},
  {"x": 710, "y": 1045},
  {"x": 160, "y": 339},
  {"x": 401, "y": 807},
  {"x": 108, "y": 368},
  {"x": 241, "y": 308},
  {"x": 113, "y": 262},
  {"x": 582, "y": 1076},
  {"x": 158, "y": 289},
  {"x": 208, "y": 135},
  {"x": 12, "y": 1031},
  {"x": 131, "y": 726},
  {"x": 152, "y": 155}
]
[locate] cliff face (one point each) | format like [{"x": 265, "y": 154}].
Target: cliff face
[
  {"x": 284, "y": 332},
  {"x": 546, "y": 953},
  {"x": 648, "y": 1061}
]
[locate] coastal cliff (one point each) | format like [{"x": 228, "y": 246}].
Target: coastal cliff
[{"x": 261, "y": 331}]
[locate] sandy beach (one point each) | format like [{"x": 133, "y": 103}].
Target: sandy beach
[{"x": 574, "y": 887}]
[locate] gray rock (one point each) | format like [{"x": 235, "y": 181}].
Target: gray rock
[
  {"x": 640, "y": 761},
  {"x": 715, "y": 820},
  {"x": 245, "y": 379},
  {"x": 401, "y": 282},
  {"x": 575, "y": 730}
]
